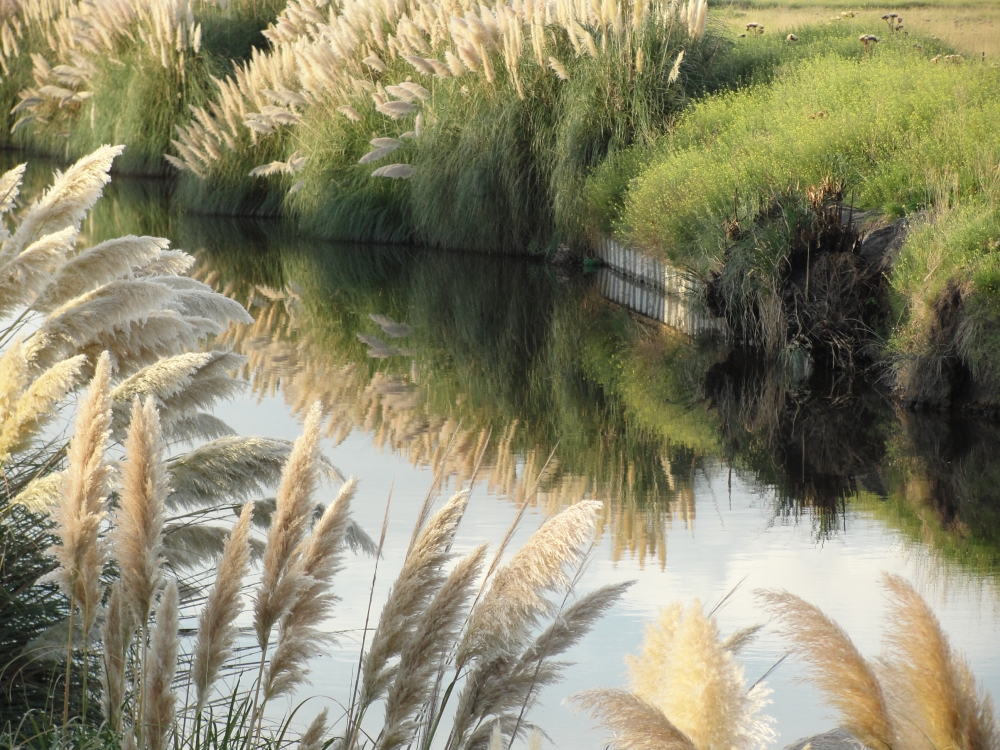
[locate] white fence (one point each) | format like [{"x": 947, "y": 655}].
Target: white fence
[{"x": 655, "y": 290}]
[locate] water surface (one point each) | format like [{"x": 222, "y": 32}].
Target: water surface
[{"x": 714, "y": 471}]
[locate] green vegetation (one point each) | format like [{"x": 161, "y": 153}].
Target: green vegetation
[
  {"x": 751, "y": 188},
  {"x": 496, "y": 165},
  {"x": 132, "y": 83}
]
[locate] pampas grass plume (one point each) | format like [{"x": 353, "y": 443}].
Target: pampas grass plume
[
  {"x": 432, "y": 640},
  {"x": 923, "y": 670},
  {"x": 635, "y": 724},
  {"x": 675, "y": 71},
  {"x": 161, "y": 663},
  {"x": 140, "y": 516},
  {"x": 279, "y": 585},
  {"x": 117, "y": 635},
  {"x": 839, "y": 669},
  {"x": 320, "y": 558},
  {"x": 515, "y": 599},
  {"x": 313, "y": 737},
  {"x": 687, "y": 670},
  {"x": 80, "y": 553},
  {"x": 67, "y": 202},
  {"x": 217, "y": 629},
  {"x": 496, "y": 738},
  {"x": 559, "y": 69},
  {"x": 26, "y": 411},
  {"x": 417, "y": 582}
]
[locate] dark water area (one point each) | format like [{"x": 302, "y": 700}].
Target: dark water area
[{"x": 714, "y": 469}]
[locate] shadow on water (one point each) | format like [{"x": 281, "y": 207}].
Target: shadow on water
[{"x": 445, "y": 358}]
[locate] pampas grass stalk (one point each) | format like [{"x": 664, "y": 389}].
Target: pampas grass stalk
[
  {"x": 117, "y": 636},
  {"x": 217, "y": 629},
  {"x": 139, "y": 520},
  {"x": 840, "y": 671},
  {"x": 282, "y": 580},
  {"x": 140, "y": 516},
  {"x": 159, "y": 667},
  {"x": 312, "y": 738},
  {"x": 927, "y": 680},
  {"x": 564, "y": 632},
  {"x": 288, "y": 528},
  {"x": 299, "y": 637},
  {"x": 504, "y": 679},
  {"x": 80, "y": 552},
  {"x": 417, "y": 582},
  {"x": 67, "y": 202},
  {"x": 515, "y": 599},
  {"x": 422, "y": 657},
  {"x": 687, "y": 670}
]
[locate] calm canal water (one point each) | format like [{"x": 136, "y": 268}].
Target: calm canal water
[{"x": 714, "y": 472}]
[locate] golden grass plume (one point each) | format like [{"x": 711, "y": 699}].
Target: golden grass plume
[{"x": 846, "y": 678}]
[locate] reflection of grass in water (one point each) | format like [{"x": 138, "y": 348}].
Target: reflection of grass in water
[
  {"x": 634, "y": 410},
  {"x": 498, "y": 346},
  {"x": 909, "y": 510},
  {"x": 941, "y": 489}
]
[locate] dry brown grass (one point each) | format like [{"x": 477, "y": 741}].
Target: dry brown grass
[{"x": 972, "y": 28}]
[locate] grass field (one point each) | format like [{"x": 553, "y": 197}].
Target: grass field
[{"x": 972, "y": 28}]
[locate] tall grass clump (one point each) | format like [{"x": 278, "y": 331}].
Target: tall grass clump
[
  {"x": 76, "y": 75},
  {"x": 483, "y": 120},
  {"x": 133, "y": 548},
  {"x": 450, "y": 627}
]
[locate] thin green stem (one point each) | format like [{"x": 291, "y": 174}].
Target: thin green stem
[{"x": 69, "y": 666}]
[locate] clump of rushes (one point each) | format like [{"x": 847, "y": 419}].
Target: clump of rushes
[{"x": 687, "y": 690}]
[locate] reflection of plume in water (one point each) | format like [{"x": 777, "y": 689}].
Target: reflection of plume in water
[
  {"x": 286, "y": 352},
  {"x": 390, "y": 327},
  {"x": 378, "y": 349}
]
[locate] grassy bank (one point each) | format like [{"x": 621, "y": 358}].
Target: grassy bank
[
  {"x": 750, "y": 192},
  {"x": 484, "y": 139},
  {"x": 972, "y": 27}
]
